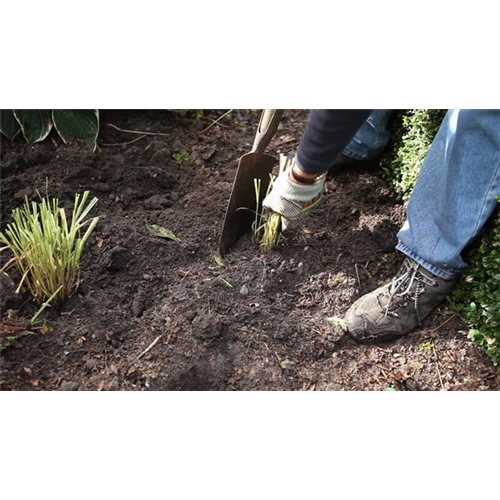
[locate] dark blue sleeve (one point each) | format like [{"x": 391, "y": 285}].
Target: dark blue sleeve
[{"x": 327, "y": 133}]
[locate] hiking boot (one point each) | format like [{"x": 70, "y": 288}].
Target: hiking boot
[{"x": 397, "y": 308}]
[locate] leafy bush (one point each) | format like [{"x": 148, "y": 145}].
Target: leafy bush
[
  {"x": 36, "y": 124},
  {"x": 45, "y": 248},
  {"x": 415, "y": 131},
  {"x": 477, "y": 296}
]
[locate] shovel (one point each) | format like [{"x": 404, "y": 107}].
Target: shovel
[{"x": 242, "y": 205}]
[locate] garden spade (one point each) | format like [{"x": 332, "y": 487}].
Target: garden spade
[{"x": 242, "y": 205}]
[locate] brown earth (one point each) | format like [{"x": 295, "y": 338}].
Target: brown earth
[{"x": 259, "y": 322}]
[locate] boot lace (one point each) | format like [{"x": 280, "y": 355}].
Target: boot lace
[{"x": 408, "y": 285}]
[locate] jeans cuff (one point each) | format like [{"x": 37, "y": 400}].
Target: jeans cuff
[{"x": 445, "y": 274}]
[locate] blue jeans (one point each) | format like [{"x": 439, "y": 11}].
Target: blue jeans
[
  {"x": 372, "y": 138},
  {"x": 455, "y": 191}
]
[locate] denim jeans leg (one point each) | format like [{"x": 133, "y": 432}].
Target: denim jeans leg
[
  {"x": 372, "y": 138},
  {"x": 455, "y": 192}
]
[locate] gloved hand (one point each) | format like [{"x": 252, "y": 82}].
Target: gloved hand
[{"x": 293, "y": 199}]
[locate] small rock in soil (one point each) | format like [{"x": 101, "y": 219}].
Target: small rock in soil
[
  {"x": 162, "y": 156},
  {"x": 192, "y": 247},
  {"x": 70, "y": 386},
  {"x": 84, "y": 174},
  {"x": 90, "y": 365},
  {"x": 411, "y": 385},
  {"x": 206, "y": 155},
  {"x": 138, "y": 305},
  {"x": 244, "y": 290},
  {"x": 114, "y": 385},
  {"x": 190, "y": 315},
  {"x": 163, "y": 179},
  {"x": 128, "y": 195},
  {"x": 119, "y": 258},
  {"x": 102, "y": 187},
  {"x": 22, "y": 193},
  {"x": 156, "y": 202},
  {"x": 208, "y": 326}
]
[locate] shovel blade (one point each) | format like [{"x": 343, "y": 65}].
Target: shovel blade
[{"x": 242, "y": 205}]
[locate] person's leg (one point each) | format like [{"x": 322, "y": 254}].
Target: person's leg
[
  {"x": 453, "y": 198},
  {"x": 372, "y": 138},
  {"x": 455, "y": 191}
]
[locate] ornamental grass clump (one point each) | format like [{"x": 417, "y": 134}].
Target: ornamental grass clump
[{"x": 46, "y": 248}]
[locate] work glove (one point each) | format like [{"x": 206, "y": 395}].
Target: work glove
[{"x": 291, "y": 199}]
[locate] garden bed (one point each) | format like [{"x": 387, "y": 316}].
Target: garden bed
[{"x": 156, "y": 314}]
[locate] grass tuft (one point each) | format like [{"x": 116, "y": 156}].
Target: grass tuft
[{"x": 46, "y": 248}]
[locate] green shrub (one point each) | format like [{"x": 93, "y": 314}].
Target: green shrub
[
  {"x": 477, "y": 296},
  {"x": 36, "y": 124},
  {"x": 414, "y": 132}
]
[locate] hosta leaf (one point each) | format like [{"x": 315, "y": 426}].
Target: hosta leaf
[
  {"x": 36, "y": 124},
  {"x": 8, "y": 123},
  {"x": 77, "y": 124}
]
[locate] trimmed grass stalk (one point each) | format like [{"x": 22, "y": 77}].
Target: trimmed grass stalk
[{"x": 271, "y": 229}]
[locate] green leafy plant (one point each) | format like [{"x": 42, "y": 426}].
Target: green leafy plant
[
  {"x": 46, "y": 248},
  {"x": 427, "y": 345},
  {"x": 181, "y": 157},
  {"x": 36, "y": 124},
  {"x": 415, "y": 131},
  {"x": 477, "y": 296}
]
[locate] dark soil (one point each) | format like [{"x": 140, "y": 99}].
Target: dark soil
[{"x": 259, "y": 322}]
